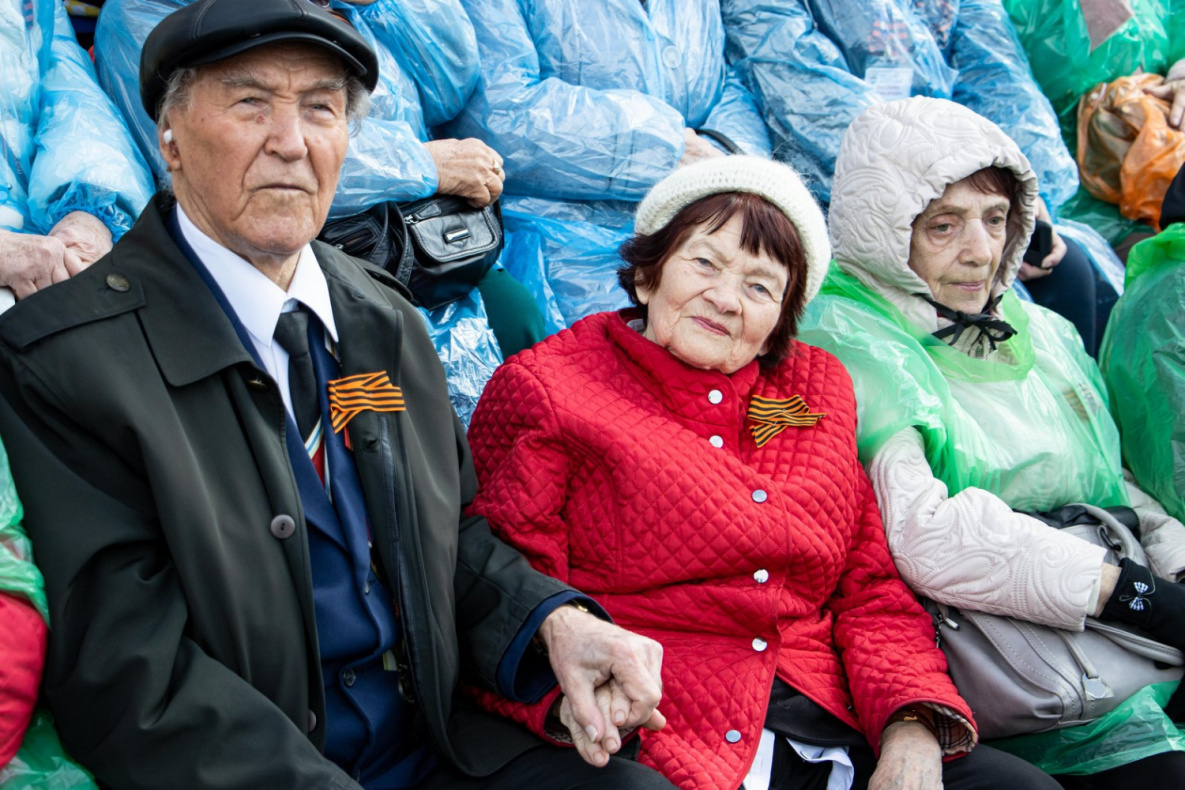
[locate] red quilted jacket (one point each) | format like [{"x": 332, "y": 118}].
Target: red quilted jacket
[{"x": 618, "y": 469}]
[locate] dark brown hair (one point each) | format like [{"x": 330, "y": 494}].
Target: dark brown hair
[
  {"x": 994, "y": 181},
  {"x": 764, "y": 227}
]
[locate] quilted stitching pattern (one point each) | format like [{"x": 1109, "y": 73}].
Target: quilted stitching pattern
[{"x": 596, "y": 459}]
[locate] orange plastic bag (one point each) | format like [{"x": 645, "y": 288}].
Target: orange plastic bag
[{"x": 1127, "y": 152}]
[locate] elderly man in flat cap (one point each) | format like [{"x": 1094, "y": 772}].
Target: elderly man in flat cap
[{"x": 246, "y": 486}]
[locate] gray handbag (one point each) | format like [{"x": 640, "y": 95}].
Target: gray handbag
[{"x": 1020, "y": 677}]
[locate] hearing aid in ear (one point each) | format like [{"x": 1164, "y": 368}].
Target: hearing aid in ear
[{"x": 168, "y": 136}]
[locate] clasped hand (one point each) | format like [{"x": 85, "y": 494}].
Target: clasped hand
[
  {"x": 30, "y": 262},
  {"x": 611, "y": 680}
]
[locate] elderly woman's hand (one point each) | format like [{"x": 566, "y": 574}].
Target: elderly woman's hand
[
  {"x": 85, "y": 235},
  {"x": 467, "y": 168},
  {"x": 911, "y": 759},
  {"x": 29, "y": 263}
]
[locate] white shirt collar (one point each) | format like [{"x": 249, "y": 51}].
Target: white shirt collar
[{"x": 256, "y": 300}]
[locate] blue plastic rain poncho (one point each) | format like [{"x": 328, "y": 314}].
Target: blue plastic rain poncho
[
  {"x": 428, "y": 67},
  {"x": 815, "y": 65},
  {"x": 587, "y": 103},
  {"x": 63, "y": 147}
]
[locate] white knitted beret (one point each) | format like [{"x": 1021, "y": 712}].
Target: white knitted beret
[{"x": 774, "y": 181}]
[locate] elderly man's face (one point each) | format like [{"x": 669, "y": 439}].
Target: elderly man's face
[{"x": 257, "y": 151}]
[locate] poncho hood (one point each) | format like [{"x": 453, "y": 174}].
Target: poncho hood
[{"x": 894, "y": 160}]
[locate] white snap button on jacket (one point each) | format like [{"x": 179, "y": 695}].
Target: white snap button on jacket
[
  {"x": 715, "y": 396},
  {"x": 672, "y": 57},
  {"x": 761, "y": 576},
  {"x": 732, "y": 736},
  {"x": 760, "y": 496},
  {"x": 716, "y": 442},
  {"x": 760, "y": 645}
]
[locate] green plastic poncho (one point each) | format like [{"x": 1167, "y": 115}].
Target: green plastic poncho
[
  {"x": 41, "y": 761},
  {"x": 1034, "y": 429},
  {"x": 1143, "y": 358},
  {"x": 1057, "y": 40}
]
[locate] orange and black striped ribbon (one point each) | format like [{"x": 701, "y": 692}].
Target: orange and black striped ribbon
[
  {"x": 363, "y": 392},
  {"x": 770, "y": 417}
]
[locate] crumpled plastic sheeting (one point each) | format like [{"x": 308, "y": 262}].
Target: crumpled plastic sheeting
[
  {"x": 1143, "y": 358},
  {"x": 1066, "y": 65},
  {"x": 569, "y": 262},
  {"x": 1104, "y": 218},
  {"x": 587, "y": 103},
  {"x": 815, "y": 65},
  {"x": 1104, "y": 259},
  {"x": 467, "y": 348},
  {"x": 63, "y": 146},
  {"x": 1136, "y": 729},
  {"x": 42, "y": 763},
  {"x": 427, "y": 68}
]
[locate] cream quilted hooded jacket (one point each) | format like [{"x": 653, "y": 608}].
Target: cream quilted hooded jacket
[
  {"x": 894, "y": 160},
  {"x": 969, "y": 550}
]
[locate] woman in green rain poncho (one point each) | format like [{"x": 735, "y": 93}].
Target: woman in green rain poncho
[{"x": 974, "y": 405}]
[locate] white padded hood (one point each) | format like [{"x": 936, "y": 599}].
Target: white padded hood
[{"x": 894, "y": 160}]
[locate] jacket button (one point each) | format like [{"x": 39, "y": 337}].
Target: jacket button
[
  {"x": 311, "y": 723},
  {"x": 117, "y": 282},
  {"x": 761, "y": 576},
  {"x": 732, "y": 736},
  {"x": 282, "y": 527},
  {"x": 348, "y": 677},
  {"x": 672, "y": 57},
  {"x": 760, "y": 496},
  {"x": 716, "y": 442},
  {"x": 760, "y": 645},
  {"x": 715, "y": 396}
]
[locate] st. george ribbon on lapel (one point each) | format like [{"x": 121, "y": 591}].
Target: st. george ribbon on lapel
[
  {"x": 771, "y": 416},
  {"x": 363, "y": 392}
]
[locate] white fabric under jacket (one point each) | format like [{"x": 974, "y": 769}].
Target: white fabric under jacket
[{"x": 969, "y": 550}]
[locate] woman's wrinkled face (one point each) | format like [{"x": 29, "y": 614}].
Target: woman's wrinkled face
[
  {"x": 957, "y": 244},
  {"x": 716, "y": 304}
]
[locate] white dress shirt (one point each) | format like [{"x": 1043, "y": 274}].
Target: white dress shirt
[{"x": 258, "y": 302}]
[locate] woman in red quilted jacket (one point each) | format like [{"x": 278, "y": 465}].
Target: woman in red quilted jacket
[{"x": 694, "y": 468}]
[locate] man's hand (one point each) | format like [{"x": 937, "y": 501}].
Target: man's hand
[
  {"x": 1172, "y": 91},
  {"x": 467, "y": 168},
  {"x": 611, "y": 679},
  {"x": 29, "y": 262},
  {"x": 697, "y": 148},
  {"x": 911, "y": 759},
  {"x": 1056, "y": 253},
  {"x": 85, "y": 235}
]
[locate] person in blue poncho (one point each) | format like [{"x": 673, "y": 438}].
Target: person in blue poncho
[
  {"x": 815, "y": 66},
  {"x": 71, "y": 180},
  {"x": 428, "y": 66},
  {"x": 592, "y": 104}
]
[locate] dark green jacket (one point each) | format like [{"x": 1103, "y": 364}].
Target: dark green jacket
[{"x": 149, "y": 451}]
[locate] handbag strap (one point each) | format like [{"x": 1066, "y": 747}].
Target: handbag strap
[{"x": 723, "y": 140}]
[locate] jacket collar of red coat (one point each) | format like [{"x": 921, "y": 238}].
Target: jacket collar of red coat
[{"x": 682, "y": 388}]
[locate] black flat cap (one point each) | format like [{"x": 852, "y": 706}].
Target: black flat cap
[{"x": 211, "y": 30}]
